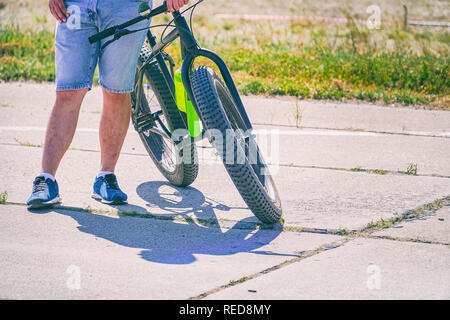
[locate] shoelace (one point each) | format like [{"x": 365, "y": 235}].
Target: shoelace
[
  {"x": 39, "y": 184},
  {"x": 111, "y": 182}
]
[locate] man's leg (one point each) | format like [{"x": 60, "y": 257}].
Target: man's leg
[
  {"x": 113, "y": 127},
  {"x": 75, "y": 62},
  {"x": 61, "y": 128},
  {"x": 117, "y": 68}
]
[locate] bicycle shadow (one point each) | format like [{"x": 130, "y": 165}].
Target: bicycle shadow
[
  {"x": 173, "y": 201},
  {"x": 169, "y": 241}
]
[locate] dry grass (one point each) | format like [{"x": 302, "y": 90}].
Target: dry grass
[
  {"x": 213, "y": 31},
  {"x": 26, "y": 11}
]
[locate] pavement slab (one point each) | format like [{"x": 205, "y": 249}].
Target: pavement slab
[
  {"x": 346, "y": 200},
  {"x": 349, "y": 115},
  {"x": 61, "y": 254},
  {"x": 355, "y": 150},
  {"x": 359, "y": 269},
  {"x": 379, "y": 118}
]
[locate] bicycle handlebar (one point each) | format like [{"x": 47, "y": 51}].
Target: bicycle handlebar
[{"x": 111, "y": 31}]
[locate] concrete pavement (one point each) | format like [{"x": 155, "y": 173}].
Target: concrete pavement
[{"x": 340, "y": 171}]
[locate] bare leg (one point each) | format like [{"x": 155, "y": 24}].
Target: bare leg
[
  {"x": 61, "y": 127},
  {"x": 113, "y": 127}
]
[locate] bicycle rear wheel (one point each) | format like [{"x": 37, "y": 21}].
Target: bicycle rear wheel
[
  {"x": 238, "y": 149},
  {"x": 177, "y": 162}
]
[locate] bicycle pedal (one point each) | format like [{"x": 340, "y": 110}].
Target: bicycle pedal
[{"x": 145, "y": 122}]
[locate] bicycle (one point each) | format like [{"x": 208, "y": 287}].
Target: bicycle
[{"x": 192, "y": 104}]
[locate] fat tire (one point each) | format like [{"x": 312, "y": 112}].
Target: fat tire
[{"x": 213, "y": 115}]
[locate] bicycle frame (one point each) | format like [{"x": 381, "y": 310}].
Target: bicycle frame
[{"x": 189, "y": 52}]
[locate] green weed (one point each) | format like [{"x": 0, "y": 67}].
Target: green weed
[
  {"x": 24, "y": 143},
  {"x": 3, "y": 197},
  {"x": 379, "y": 171},
  {"x": 412, "y": 169}
]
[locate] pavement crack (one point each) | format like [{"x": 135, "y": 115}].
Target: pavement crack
[
  {"x": 381, "y": 224},
  {"x": 284, "y": 165},
  {"x": 361, "y": 170},
  {"x": 303, "y": 255},
  {"x": 30, "y": 145},
  {"x": 210, "y": 223},
  {"x": 405, "y": 239},
  {"x": 220, "y": 223},
  {"x": 444, "y": 135}
]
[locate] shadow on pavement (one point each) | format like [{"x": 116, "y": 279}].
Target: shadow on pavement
[
  {"x": 174, "y": 201},
  {"x": 172, "y": 242}
]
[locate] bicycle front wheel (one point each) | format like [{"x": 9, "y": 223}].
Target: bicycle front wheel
[{"x": 237, "y": 147}]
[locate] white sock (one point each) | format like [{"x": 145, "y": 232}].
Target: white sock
[
  {"x": 104, "y": 173},
  {"x": 47, "y": 176}
]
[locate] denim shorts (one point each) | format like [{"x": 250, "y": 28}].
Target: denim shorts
[{"x": 76, "y": 59}]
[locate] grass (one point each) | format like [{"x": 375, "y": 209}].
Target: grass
[
  {"x": 3, "y": 197},
  {"x": 235, "y": 282},
  {"x": 372, "y": 171},
  {"x": 26, "y": 55},
  {"x": 318, "y": 74},
  {"x": 392, "y": 65},
  {"x": 379, "y": 171},
  {"x": 419, "y": 212},
  {"x": 298, "y": 113},
  {"x": 410, "y": 170},
  {"x": 27, "y": 144}
]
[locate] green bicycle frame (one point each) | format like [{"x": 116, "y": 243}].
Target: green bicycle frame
[{"x": 185, "y": 105}]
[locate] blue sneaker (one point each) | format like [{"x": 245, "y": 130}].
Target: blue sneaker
[
  {"x": 45, "y": 193},
  {"x": 107, "y": 190}
]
